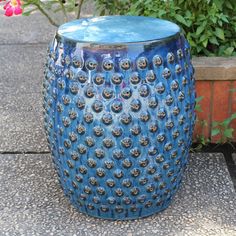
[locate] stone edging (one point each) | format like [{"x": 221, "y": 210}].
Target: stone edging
[{"x": 215, "y": 68}]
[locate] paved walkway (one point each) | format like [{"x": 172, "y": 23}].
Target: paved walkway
[{"x": 31, "y": 201}]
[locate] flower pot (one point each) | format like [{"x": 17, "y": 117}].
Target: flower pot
[{"x": 119, "y": 113}]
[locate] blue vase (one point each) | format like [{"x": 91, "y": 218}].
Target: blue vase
[{"x": 119, "y": 100}]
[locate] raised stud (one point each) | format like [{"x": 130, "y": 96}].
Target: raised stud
[
  {"x": 82, "y": 77},
  {"x": 160, "y": 88},
  {"x": 108, "y": 93},
  {"x": 126, "y": 93},
  {"x": 98, "y": 131},
  {"x": 157, "y": 60},
  {"x": 150, "y": 76},
  {"x": 107, "y": 64},
  {"x": 117, "y": 131},
  {"x": 116, "y": 78},
  {"x": 166, "y": 73},
  {"x": 135, "y": 105},
  {"x": 125, "y": 64},
  {"x": 97, "y": 106},
  {"x": 107, "y": 118},
  {"x": 170, "y": 57},
  {"x": 77, "y": 61},
  {"x": 91, "y": 64},
  {"x": 98, "y": 79},
  {"x": 142, "y": 63},
  {"x": 144, "y": 90},
  {"x": 135, "y": 78},
  {"x": 126, "y": 163}
]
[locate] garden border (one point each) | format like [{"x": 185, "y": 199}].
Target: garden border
[{"x": 215, "y": 81}]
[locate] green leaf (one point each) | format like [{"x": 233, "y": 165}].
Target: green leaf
[
  {"x": 229, "y": 5},
  {"x": 214, "y": 20},
  {"x": 200, "y": 29},
  {"x": 161, "y": 12},
  {"x": 226, "y": 122},
  {"x": 215, "y": 123},
  {"x": 26, "y": 4},
  {"x": 228, "y": 51},
  {"x": 214, "y": 132},
  {"x": 203, "y": 37},
  {"x": 229, "y": 133},
  {"x": 188, "y": 13},
  {"x": 205, "y": 42},
  {"x": 181, "y": 19},
  {"x": 198, "y": 99},
  {"x": 220, "y": 23},
  {"x": 219, "y": 33},
  {"x": 224, "y": 18},
  {"x": 218, "y": 3},
  {"x": 27, "y": 13},
  {"x": 213, "y": 40},
  {"x": 221, "y": 50},
  {"x": 198, "y": 108}
]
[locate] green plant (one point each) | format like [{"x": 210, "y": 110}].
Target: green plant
[
  {"x": 113, "y": 7},
  {"x": 200, "y": 138},
  {"x": 50, "y": 8},
  {"x": 202, "y": 124},
  {"x": 197, "y": 104},
  {"x": 210, "y": 25},
  {"x": 220, "y": 129},
  {"x": 223, "y": 129}
]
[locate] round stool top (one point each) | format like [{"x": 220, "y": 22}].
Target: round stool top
[{"x": 118, "y": 29}]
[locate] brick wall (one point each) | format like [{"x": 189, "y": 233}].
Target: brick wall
[{"x": 215, "y": 79}]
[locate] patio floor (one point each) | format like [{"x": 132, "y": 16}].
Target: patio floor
[{"x": 32, "y": 202}]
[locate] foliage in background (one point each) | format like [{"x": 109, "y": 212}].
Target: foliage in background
[
  {"x": 210, "y": 25},
  {"x": 200, "y": 137},
  {"x": 223, "y": 129},
  {"x": 70, "y": 9}
]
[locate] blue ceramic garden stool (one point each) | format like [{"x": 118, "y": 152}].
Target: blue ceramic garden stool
[{"x": 119, "y": 113}]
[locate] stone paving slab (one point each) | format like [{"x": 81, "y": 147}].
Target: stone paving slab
[
  {"x": 34, "y": 28},
  {"x": 21, "y": 126},
  {"x": 22, "y": 132},
  {"x": 22, "y": 29},
  {"x": 22, "y": 68},
  {"x": 21, "y": 102},
  {"x": 32, "y": 203}
]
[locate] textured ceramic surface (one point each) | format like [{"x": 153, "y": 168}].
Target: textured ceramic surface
[
  {"x": 119, "y": 118},
  {"x": 116, "y": 29}
]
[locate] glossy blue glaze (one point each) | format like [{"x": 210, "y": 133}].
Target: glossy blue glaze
[
  {"x": 118, "y": 29},
  {"x": 119, "y": 120}
]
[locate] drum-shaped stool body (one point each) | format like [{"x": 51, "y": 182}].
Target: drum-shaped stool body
[{"x": 119, "y": 113}]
